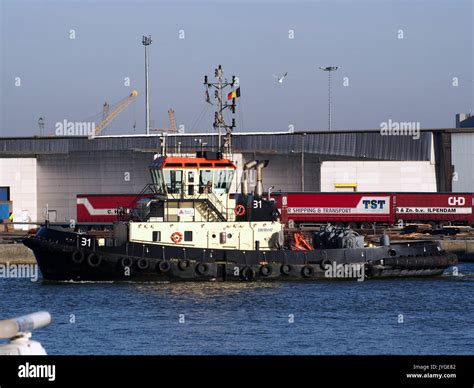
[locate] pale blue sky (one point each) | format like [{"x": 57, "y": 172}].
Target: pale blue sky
[{"x": 406, "y": 79}]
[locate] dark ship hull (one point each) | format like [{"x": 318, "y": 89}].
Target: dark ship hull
[{"x": 60, "y": 257}]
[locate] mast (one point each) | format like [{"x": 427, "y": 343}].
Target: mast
[
  {"x": 220, "y": 124},
  {"x": 146, "y": 41}
]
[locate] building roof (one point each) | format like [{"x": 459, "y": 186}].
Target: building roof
[{"x": 366, "y": 144}]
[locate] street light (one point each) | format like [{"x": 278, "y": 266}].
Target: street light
[
  {"x": 146, "y": 41},
  {"x": 329, "y": 69}
]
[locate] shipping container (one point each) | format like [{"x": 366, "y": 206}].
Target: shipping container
[
  {"x": 335, "y": 207},
  {"x": 439, "y": 208}
]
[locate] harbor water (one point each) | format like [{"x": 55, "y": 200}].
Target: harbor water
[{"x": 400, "y": 316}]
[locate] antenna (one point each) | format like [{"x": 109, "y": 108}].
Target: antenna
[{"x": 219, "y": 123}]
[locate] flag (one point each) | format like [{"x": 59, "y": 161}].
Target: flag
[{"x": 234, "y": 94}]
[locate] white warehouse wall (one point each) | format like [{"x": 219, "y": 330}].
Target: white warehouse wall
[
  {"x": 20, "y": 175},
  {"x": 380, "y": 176},
  {"x": 462, "y": 156}
]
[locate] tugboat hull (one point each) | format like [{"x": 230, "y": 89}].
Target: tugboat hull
[{"x": 60, "y": 256}]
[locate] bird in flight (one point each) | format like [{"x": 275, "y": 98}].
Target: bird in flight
[{"x": 281, "y": 78}]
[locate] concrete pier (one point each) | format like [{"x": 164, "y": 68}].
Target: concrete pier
[{"x": 16, "y": 253}]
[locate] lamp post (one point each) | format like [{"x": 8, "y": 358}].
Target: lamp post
[
  {"x": 146, "y": 41},
  {"x": 329, "y": 69}
]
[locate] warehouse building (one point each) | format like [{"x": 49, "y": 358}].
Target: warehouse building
[{"x": 44, "y": 175}]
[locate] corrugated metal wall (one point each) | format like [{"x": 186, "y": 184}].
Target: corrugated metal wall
[{"x": 462, "y": 155}]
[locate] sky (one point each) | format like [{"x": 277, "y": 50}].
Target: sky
[{"x": 405, "y": 61}]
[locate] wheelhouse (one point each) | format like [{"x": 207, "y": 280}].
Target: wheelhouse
[{"x": 194, "y": 188}]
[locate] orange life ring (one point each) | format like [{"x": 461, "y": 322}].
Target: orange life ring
[
  {"x": 239, "y": 210},
  {"x": 176, "y": 237}
]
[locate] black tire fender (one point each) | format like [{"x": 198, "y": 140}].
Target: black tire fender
[
  {"x": 94, "y": 260},
  {"x": 202, "y": 268},
  {"x": 142, "y": 263},
  {"x": 163, "y": 266},
  {"x": 126, "y": 262},
  {"x": 266, "y": 270},
  {"x": 324, "y": 263},
  {"x": 77, "y": 256},
  {"x": 307, "y": 271},
  {"x": 183, "y": 265},
  {"x": 285, "y": 269},
  {"x": 247, "y": 274}
]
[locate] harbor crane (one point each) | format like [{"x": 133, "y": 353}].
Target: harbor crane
[{"x": 110, "y": 113}]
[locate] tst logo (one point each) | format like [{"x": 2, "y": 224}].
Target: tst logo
[
  {"x": 459, "y": 201},
  {"x": 373, "y": 203}
]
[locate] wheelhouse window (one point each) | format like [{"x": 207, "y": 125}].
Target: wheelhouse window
[
  {"x": 173, "y": 181},
  {"x": 205, "y": 181},
  {"x": 158, "y": 180},
  {"x": 223, "y": 181}
]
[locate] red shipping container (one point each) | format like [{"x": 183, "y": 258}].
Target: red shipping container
[
  {"x": 452, "y": 207},
  {"x": 335, "y": 207}
]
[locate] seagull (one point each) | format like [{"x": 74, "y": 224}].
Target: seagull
[{"x": 280, "y": 79}]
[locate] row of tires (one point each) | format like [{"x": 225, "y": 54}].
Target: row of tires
[
  {"x": 94, "y": 260},
  {"x": 246, "y": 273}
]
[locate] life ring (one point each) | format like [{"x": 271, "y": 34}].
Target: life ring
[
  {"x": 164, "y": 266},
  {"x": 94, "y": 260},
  {"x": 307, "y": 271},
  {"x": 77, "y": 257},
  {"x": 176, "y": 237},
  {"x": 142, "y": 263},
  {"x": 202, "y": 268},
  {"x": 239, "y": 210},
  {"x": 265, "y": 270}
]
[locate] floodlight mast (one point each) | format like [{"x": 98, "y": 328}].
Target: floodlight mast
[{"x": 329, "y": 69}]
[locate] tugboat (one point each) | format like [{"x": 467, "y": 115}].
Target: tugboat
[{"x": 189, "y": 226}]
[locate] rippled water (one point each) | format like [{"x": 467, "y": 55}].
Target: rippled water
[{"x": 346, "y": 317}]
